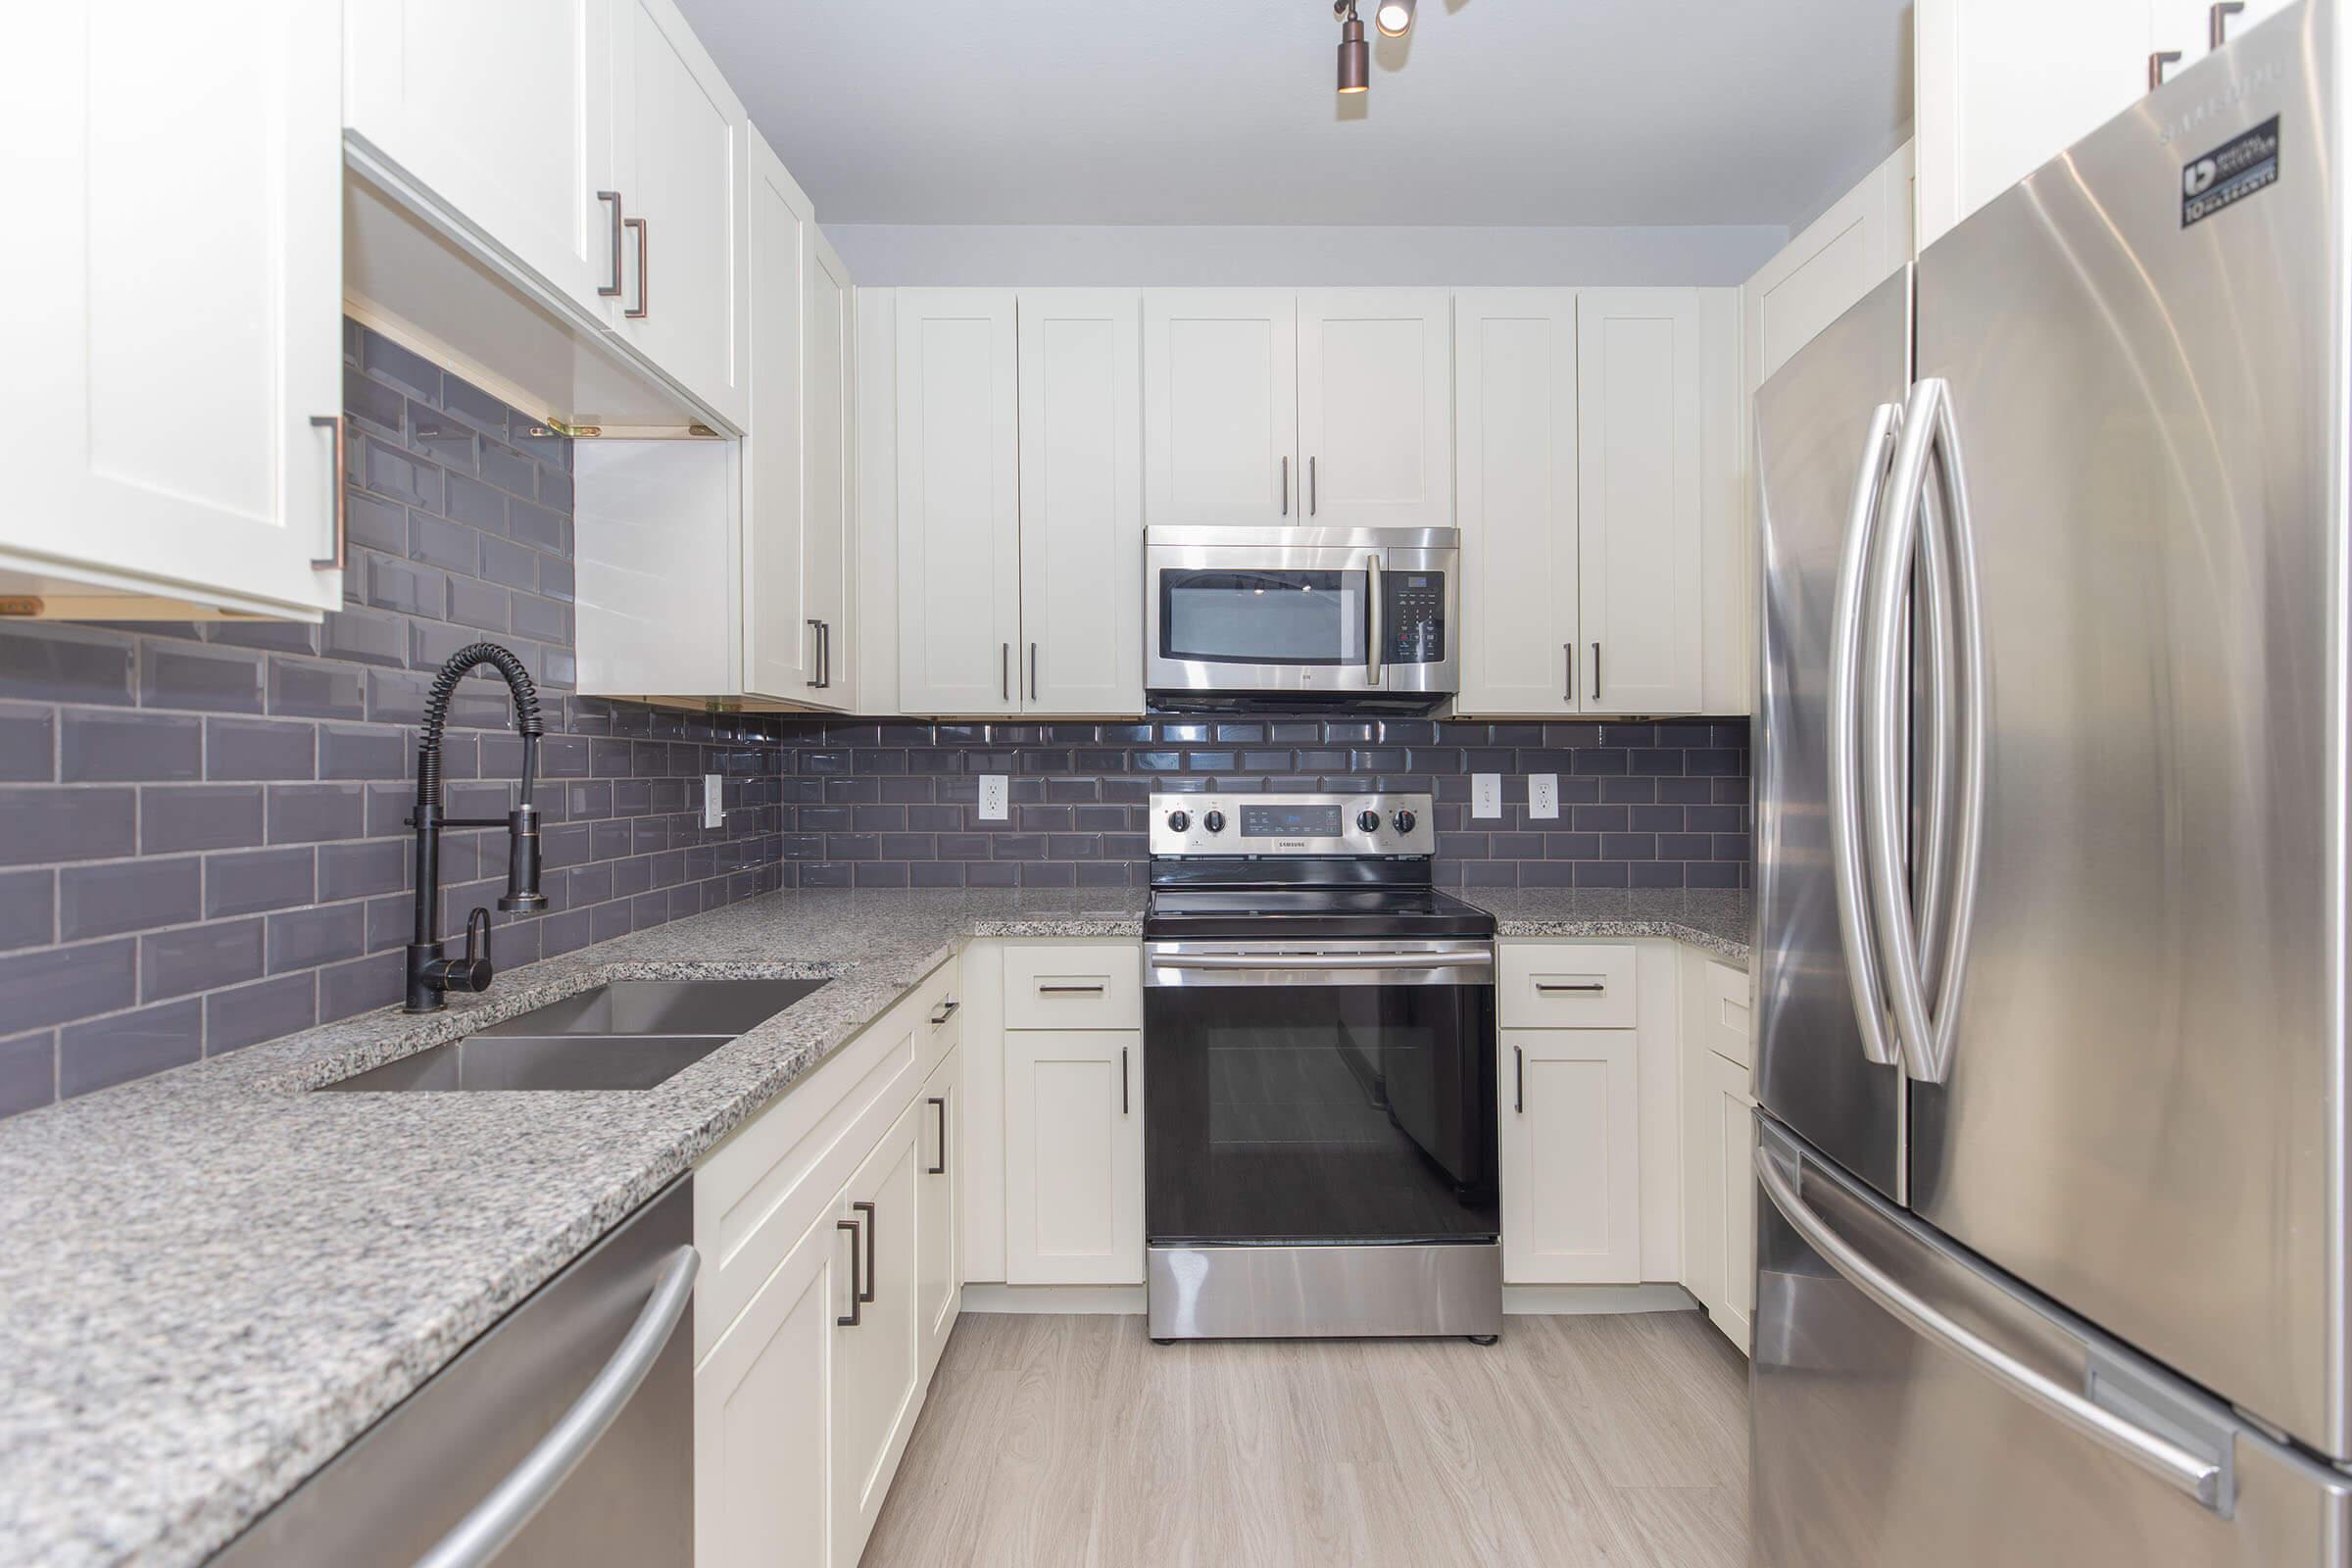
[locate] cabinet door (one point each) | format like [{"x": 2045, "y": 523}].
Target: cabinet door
[
  {"x": 1376, "y": 406},
  {"x": 1220, "y": 406},
  {"x": 876, "y": 1388},
  {"x": 960, "y": 528},
  {"x": 779, "y": 647},
  {"x": 1719, "y": 1205},
  {"x": 1639, "y": 487},
  {"x": 679, "y": 151},
  {"x": 828, "y": 337},
  {"x": 2002, "y": 86},
  {"x": 1082, "y": 501},
  {"x": 1571, "y": 1158},
  {"x": 502, "y": 114},
  {"x": 1073, "y": 1157},
  {"x": 159, "y": 407},
  {"x": 1516, "y": 433},
  {"x": 762, "y": 1442},
  {"x": 938, "y": 1282}
]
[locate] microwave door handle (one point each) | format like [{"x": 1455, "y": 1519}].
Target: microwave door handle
[{"x": 1372, "y": 633}]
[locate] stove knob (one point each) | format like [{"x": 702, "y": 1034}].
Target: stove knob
[
  {"x": 1214, "y": 821},
  {"x": 1178, "y": 822},
  {"x": 1404, "y": 822},
  {"x": 1367, "y": 821}
]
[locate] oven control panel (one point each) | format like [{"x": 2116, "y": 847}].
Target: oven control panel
[{"x": 1288, "y": 827}]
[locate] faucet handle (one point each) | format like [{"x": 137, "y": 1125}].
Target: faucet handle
[{"x": 472, "y": 971}]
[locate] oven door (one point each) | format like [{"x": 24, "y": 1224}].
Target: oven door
[
  {"x": 1319, "y": 1092},
  {"x": 1305, "y": 612}
]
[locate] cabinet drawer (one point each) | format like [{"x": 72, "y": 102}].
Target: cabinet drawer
[
  {"x": 938, "y": 1008},
  {"x": 1088, "y": 985},
  {"x": 1715, "y": 1008},
  {"x": 1567, "y": 986}
]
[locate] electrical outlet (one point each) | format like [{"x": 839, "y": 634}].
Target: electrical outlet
[
  {"x": 715, "y": 801},
  {"x": 1542, "y": 793},
  {"x": 992, "y": 793},
  {"x": 1485, "y": 795}
]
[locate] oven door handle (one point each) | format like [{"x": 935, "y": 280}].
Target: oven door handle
[{"x": 1466, "y": 959}]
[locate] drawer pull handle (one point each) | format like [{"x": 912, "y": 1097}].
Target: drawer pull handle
[
  {"x": 857, "y": 1296},
  {"x": 1518, "y": 1081},
  {"x": 945, "y": 1013},
  {"x": 1095, "y": 990},
  {"x": 1122, "y": 1080},
  {"x": 940, "y": 1104},
  {"x": 1580, "y": 985},
  {"x": 871, "y": 1227}
]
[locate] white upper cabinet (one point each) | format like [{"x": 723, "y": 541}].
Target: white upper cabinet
[
  {"x": 959, "y": 450},
  {"x": 1515, "y": 423},
  {"x": 511, "y": 128},
  {"x": 1081, "y": 501},
  {"x": 1220, "y": 406},
  {"x": 1817, "y": 276},
  {"x": 174, "y": 318},
  {"x": 828, "y": 339},
  {"x": 1375, "y": 408},
  {"x": 1640, "y": 477},
  {"x": 679, "y": 157},
  {"x": 2001, "y": 86},
  {"x": 779, "y": 645}
]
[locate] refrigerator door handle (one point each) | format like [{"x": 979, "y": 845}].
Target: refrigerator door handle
[
  {"x": 2204, "y": 1479},
  {"x": 1844, "y": 762},
  {"x": 1928, "y": 447}
]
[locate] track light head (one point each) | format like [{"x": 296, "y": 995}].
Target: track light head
[
  {"x": 1393, "y": 17},
  {"x": 1355, "y": 54}
]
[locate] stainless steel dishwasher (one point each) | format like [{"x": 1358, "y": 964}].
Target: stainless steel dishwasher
[{"x": 563, "y": 1435}]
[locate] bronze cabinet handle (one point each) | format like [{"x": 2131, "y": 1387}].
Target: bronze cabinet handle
[
  {"x": 868, "y": 1210},
  {"x": 857, "y": 1295},
  {"x": 645, "y": 268},
  {"x": 338, "y": 506},
  {"x": 612, "y": 289},
  {"x": 940, "y": 1104}
]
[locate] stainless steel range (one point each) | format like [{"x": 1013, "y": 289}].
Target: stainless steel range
[{"x": 1319, "y": 1138}]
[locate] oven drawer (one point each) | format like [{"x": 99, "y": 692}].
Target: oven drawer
[
  {"x": 1077, "y": 985},
  {"x": 1566, "y": 985}
]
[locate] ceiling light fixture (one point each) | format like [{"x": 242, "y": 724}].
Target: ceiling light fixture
[
  {"x": 1355, "y": 55},
  {"x": 1393, "y": 17}
]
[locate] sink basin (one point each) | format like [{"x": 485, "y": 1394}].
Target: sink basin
[{"x": 630, "y": 1034}]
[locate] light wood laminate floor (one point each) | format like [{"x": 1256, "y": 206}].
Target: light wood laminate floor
[{"x": 1055, "y": 1440}]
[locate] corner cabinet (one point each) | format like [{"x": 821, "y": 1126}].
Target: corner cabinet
[
  {"x": 172, "y": 413},
  {"x": 1582, "y": 421},
  {"x": 1718, "y": 1141}
]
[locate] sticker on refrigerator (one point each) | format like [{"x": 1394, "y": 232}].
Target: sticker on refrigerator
[{"x": 2230, "y": 173}]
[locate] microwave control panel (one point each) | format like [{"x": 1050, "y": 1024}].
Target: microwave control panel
[{"x": 1412, "y": 618}]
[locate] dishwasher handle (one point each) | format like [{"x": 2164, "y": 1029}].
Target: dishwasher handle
[{"x": 499, "y": 1517}]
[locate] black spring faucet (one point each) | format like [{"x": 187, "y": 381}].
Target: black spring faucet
[{"x": 430, "y": 975}]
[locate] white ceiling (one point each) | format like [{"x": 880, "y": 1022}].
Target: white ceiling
[{"x": 1490, "y": 112}]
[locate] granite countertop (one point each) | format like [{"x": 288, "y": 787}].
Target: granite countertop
[
  {"x": 215, "y": 1279},
  {"x": 1719, "y": 922}
]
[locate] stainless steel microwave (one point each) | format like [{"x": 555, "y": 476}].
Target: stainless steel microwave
[{"x": 1267, "y": 618}]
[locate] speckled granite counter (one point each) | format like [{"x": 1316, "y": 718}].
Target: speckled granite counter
[
  {"x": 213, "y": 1279},
  {"x": 1717, "y": 921}
]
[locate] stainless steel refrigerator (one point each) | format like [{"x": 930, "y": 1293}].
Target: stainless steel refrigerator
[{"x": 2054, "y": 837}]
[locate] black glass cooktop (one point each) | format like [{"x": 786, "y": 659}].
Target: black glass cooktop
[{"x": 1243, "y": 911}]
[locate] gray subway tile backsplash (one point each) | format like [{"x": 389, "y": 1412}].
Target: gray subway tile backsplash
[{"x": 221, "y": 858}]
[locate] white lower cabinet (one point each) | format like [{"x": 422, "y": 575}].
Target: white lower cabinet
[
  {"x": 1073, "y": 1157},
  {"x": 1718, "y": 1141},
  {"x": 938, "y": 1277},
  {"x": 1571, "y": 1159},
  {"x": 761, "y": 1444},
  {"x": 808, "y": 1383}
]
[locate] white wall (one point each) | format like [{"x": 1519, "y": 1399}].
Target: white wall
[{"x": 1044, "y": 255}]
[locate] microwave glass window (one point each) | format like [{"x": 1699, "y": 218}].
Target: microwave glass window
[{"x": 1262, "y": 618}]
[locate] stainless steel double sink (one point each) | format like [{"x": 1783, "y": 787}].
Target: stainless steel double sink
[{"x": 626, "y": 1034}]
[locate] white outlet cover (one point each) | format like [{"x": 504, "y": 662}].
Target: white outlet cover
[
  {"x": 994, "y": 793},
  {"x": 1543, "y": 795},
  {"x": 1485, "y": 795},
  {"x": 715, "y": 801}
]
